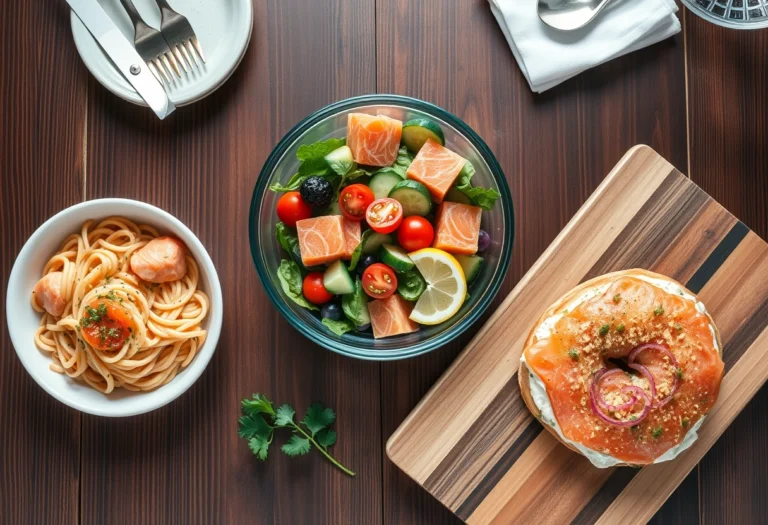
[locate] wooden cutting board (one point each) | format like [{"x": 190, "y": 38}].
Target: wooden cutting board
[{"x": 473, "y": 444}]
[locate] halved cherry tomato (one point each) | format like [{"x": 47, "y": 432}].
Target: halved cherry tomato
[
  {"x": 379, "y": 281},
  {"x": 106, "y": 325},
  {"x": 291, "y": 208},
  {"x": 384, "y": 215},
  {"x": 415, "y": 233},
  {"x": 314, "y": 290},
  {"x": 354, "y": 200}
]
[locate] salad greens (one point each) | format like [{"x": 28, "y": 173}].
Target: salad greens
[
  {"x": 340, "y": 327},
  {"x": 355, "y": 305},
  {"x": 358, "y": 252},
  {"x": 260, "y": 419},
  {"x": 291, "y": 281},
  {"x": 481, "y": 197},
  {"x": 411, "y": 285},
  {"x": 312, "y": 162}
]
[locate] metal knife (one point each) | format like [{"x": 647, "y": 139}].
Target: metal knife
[{"x": 123, "y": 55}]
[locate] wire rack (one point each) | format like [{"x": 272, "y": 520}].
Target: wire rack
[{"x": 738, "y": 14}]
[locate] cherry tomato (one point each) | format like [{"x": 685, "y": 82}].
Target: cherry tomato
[
  {"x": 354, "y": 200},
  {"x": 291, "y": 208},
  {"x": 415, "y": 233},
  {"x": 379, "y": 281},
  {"x": 384, "y": 215},
  {"x": 314, "y": 290},
  {"x": 106, "y": 325}
]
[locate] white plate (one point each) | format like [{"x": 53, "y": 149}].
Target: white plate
[
  {"x": 23, "y": 320},
  {"x": 223, "y": 28}
]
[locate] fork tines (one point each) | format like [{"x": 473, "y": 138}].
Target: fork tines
[{"x": 188, "y": 52}]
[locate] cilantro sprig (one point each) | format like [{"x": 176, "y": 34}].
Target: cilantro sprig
[{"x": 260, "y": 419}]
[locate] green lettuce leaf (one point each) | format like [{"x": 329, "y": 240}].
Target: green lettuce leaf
[
  {"x": 481, "y": 197},
  {"x": 312, "y": 162},
  {"x": 358, "y": 251},
  {"x": 340, "y": 327},
  {"x": 291, "y": 281}
]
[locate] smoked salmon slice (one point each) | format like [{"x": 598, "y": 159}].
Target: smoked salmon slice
[
  {"x": 351, "y": 236},
  {"x": 321, "y": 240},
  {"x": 601, "y": 332},
  {"x": 436, "y": 167},
  {"x": 390, "y": 317},
  {"x": 458, "y": 228},
  {"x": 373, "y": 139}
]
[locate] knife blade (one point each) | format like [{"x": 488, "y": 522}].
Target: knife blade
[{"x": 123, "y": 55}]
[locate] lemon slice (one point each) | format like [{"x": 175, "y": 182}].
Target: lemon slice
[{"x": 446, "y": 286}]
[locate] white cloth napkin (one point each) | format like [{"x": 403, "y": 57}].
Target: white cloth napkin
[{"x": 548, "y": 57}]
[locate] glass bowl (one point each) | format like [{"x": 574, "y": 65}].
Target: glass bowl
[{"x": 331, "y": 121}]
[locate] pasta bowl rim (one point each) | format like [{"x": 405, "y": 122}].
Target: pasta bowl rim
[{"x": 27, "y": 268}]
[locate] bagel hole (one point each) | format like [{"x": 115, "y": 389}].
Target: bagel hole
[{"x": 619, "y": 362}]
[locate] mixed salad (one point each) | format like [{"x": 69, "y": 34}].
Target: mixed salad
[{"x": 381, "y": 229}]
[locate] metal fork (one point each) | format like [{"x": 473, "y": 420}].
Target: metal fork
[
  {"x": 151, "y": 46},
  {"x": 180, "y": 36}
]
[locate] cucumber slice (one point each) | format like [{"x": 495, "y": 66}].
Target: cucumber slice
[
  {"x": 455, "y": 195},
  {"x": 340, "y": 160},
  {"x": 471, "y": 264},
  {"x": 395, "y": 257},
  {"x": 383, "y": 182},
  {"x": 413, "y": 196},
  {"x": 417, "y": 131},
  {"x": 337, "y": 280},
  {"x": 372, "y": 243},
  {"x": 355, "y": 306}
]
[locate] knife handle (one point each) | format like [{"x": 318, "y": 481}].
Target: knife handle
[{"x": 133, "y": 13}]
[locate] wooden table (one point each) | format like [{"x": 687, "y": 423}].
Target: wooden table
[{"x": 700, "y": 99}]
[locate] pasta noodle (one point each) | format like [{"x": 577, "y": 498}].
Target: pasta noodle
[{"x": 164, "y": 321}]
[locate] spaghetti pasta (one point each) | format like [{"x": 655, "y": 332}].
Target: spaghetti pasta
[{"x": 116, "y": 330}]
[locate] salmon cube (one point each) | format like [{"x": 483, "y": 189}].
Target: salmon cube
[
  {"x": 390, "y": 316},
  {"x": 437, "y": 168},
  {"x": 321, "y": 240},
  {"x": 373, "y": 139},
  {"x": 351, "y": 236},
  {"x": 458, "y": 228}
]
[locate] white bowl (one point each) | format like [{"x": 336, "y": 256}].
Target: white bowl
[{"x": 23, "y": 320}]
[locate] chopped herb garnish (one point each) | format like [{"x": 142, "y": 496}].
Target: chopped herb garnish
[
  {"x": 620, "y": 328},
  {"x": 574, "y": 354},
  {"x": 679, "y": 373},
  {"x": 656, "y": 433},
  {"x": 634, "y": 428},
  {"x": 678, "y": 327},
  {"x": 604, "y": 329},
  {"x": 659, "y": 310},
  {"x": 685, "y": 422},
  {"x": 93, "y": 315},
  {"x": 633, "y": 417},
  {"x": 617, "y": 298}
]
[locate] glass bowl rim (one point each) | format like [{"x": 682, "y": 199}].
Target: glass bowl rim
[{"x": 469, "y": 134}]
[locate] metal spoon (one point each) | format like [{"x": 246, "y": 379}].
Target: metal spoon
[{"x": 567, "y": 15}]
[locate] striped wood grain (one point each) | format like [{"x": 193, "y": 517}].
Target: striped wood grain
[{"x": 472, "y": 443}]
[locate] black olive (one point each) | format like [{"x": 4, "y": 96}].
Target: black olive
[{"x": 316, "y": 191}]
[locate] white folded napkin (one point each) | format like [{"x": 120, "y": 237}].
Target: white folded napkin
[{"x": 548, "y": 56}]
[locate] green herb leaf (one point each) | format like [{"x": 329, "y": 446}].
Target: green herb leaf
[
  {"x": 259, "y": 404},
  {"x": 318, "y": 150},
  {"x": 620, "y": 328},
  {"x": 339, "y": 327},
  {"x": 358, "y": 251},
  {"x": 326, "y": 437},
  {"x": 259, "y": 447},
  {"x": 679, "y": 373},
  {"x": 318, "y": 417},
  {"x": 659, "y": 310},
  {"x": 253, "y": 426},
  {"x": 410, "y": 285},
  {"x": 573, "y": 354},
  {"x": 291, "y": 282},
  {"x": 284, "y": 415},
  {"x": 656, "y": 433},
  {"x": 481, "y": 197},
  {"x": 315, "y": 431},
  {"x": 604, "y": 329},
  {"x": 296, "y": 446},
  {"x": 312, "y": 163},
  {"x": 685, "y": 422},
  {"x": 617, "y": 298}
]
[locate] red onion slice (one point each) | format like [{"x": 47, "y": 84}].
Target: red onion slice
[
  {"x": 598, "y": 395},
  {"x": 629, "y": 423},
  {"x": 673, "y": 361}
]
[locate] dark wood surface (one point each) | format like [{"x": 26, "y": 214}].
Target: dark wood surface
[{"x": 64, "y": 138}]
